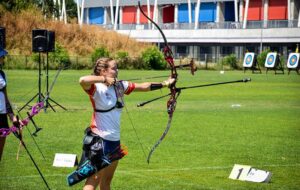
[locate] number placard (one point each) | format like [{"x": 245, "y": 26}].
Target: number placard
[
  {"x": 247, "y": 173},
  {"x": 239, "y": 172}
]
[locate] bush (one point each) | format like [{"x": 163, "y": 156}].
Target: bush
[
  {"x": 282, "y": 61},
  {"x": 261, "y": 58},
  {"x": 59, "y": 58},
  {"x": 153, "y": 59},
  {"x": 230, "y": 60},
  {"x": 98, "y": 53},
  {"x": 123, "y": 60}
]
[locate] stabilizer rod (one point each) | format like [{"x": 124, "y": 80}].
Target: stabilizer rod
[
  {"x": 214, "y": 84},
  {"x": 197, "y": 86}
]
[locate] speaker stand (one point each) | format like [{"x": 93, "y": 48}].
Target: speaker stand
[
  {"x": 39, "y": 94},
  {"x": 47, "y": 99}
]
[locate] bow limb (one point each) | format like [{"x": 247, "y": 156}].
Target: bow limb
[
  {"x": 171, "y": 104},
  {"x": 160, "y": 139}
]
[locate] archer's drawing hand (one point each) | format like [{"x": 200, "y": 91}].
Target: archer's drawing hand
[{"x": 109, "y": 81}]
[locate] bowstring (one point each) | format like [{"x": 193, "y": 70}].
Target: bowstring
[
  {"x": 131, "y": 122},
  {"x": 126, "y": 109},
  {"x": 135, "y": 131}
]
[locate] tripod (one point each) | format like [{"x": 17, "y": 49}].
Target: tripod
[
  {"x": 47, "y": 104},
  {"x": 40, "y": 95}
]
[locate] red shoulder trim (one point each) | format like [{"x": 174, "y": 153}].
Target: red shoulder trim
[
  {"x": 92, "y": 90},
  {"x": 130, "y": 88}
]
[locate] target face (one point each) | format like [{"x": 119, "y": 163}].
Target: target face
[
  {"x": 293, "y": 60},
  {"x": 248, "y": 60},
  {"x": 270, "y": 60}
]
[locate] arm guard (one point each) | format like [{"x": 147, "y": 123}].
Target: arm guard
[{"x": 155, "y": 86}]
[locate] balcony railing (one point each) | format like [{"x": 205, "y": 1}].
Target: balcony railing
[{"x": 209, "y": 25}]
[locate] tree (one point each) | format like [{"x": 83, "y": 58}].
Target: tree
[
  {"x": 48, "y": 7},
  {"x": 17, "y": 5}
]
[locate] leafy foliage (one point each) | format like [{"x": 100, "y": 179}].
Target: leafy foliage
[
  {"x": 17, "y": 5},
  {"x": 48, "y": 6},
  {"x": 56, "y": 59},
  {"x": 123, "y": 60},
  {"x": 59, "y": 57},
  {"x": 262, "y": 57},
  {"x": 230, "y": 60},
  {"x": 99, "y": 52},
  {"x": 153, "y": 59}
]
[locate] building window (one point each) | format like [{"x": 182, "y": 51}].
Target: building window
[{"x": 181, "y": 51}]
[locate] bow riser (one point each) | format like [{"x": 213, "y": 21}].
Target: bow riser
[{"x": 13, "y": 129}]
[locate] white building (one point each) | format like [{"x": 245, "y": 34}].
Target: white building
[{"x": 198, "y": 28}]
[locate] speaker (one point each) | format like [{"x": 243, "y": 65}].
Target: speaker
[
  {"x": 39, "y": 40},
  {"x": 2, "y": 38},
  {"x": 51, "y": 41}
]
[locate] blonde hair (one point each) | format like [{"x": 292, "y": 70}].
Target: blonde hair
[{"x": 101, "y": 64}]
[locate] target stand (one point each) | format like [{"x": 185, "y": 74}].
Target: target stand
[
  {"x": 273, "y": 63},
  {"x": 250, "y": 63},
  {"x": 293, "y": 62}
]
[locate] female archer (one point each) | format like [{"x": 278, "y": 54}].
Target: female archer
[
  {"x": 106, "y": 95},
  {"x": 5, "y": 106}
]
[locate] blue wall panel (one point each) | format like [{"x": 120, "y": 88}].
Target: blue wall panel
[
  {"x": 229, "y": 11},
  {"x": 96, "y": 15},
  {"x": 207, "y": 12},
  {"x": 183, "y": 13}
]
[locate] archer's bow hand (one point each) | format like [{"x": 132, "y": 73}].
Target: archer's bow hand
[
  {"x": 169, "y": 82},
  {"x": 17, "y": 123}
]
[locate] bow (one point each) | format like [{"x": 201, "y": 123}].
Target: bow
[
  {"x": 174, "y": 91},
  {"x": 171, "y": 104},
  {"x": 14, "y": 129}
]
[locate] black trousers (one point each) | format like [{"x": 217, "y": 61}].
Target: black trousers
[{"x": 3, "y": 124}]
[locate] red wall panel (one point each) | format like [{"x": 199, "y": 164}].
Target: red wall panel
[
  {"x": 143, "y": 19},
  {"x": 277, "y": 10},
  {"x": 256, "y": 10},
  {"x": 129, "y": 15},
  {"x": 168, "y": 14}
]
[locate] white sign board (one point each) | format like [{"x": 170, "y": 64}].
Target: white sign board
[
  {"x": 247, "y": 173},
  {"x": 258, "y": 176},
  {"x": 239, "y": 172},
  {"x": 65, "y": 160}
]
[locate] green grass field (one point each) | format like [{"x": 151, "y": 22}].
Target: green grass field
[{"x": 213, "y": 128}]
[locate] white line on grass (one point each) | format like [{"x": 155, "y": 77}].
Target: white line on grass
[
  {"x": 130, "y": 172},
  {"x": 173, "y": 182}
]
